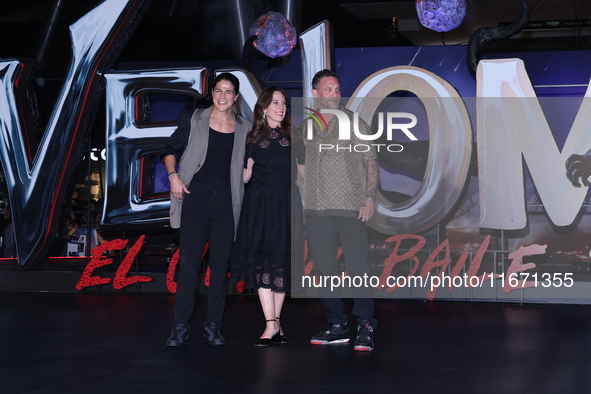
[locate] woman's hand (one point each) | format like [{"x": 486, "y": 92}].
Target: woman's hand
[
  {"x": 247, "y": 172},
  {"x": 177, "y": 187}
]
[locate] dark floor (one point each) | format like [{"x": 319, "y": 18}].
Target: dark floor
[{"x": 82, "y": 343}]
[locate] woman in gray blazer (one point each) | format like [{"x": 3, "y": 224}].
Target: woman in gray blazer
[{"x": 206, "y": 197}]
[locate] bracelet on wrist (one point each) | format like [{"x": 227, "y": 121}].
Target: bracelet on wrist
[
  {"x": 370, "y": 197},
  {"x": 172, "y": 173}
]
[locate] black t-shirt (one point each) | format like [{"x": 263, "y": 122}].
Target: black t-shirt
[{"x": 216, "y": 168}]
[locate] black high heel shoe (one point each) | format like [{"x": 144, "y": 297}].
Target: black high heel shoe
[
  {"x": 266, "y": 341},
  {"x": 279, "y": 338}
]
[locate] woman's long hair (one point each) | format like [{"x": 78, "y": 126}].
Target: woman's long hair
[{"x": 260, "y": 128}]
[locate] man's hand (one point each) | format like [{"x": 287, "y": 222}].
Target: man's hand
[
  {"x": 177, "y": 187},
  {"x": 366, "y": 211}
]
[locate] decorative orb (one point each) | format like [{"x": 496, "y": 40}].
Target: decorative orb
[
  {"x": 276, "y": 36},
  {"x": 441, "y": 15}
]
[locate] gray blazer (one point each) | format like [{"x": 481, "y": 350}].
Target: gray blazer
[{"x": 194, "y": 156}]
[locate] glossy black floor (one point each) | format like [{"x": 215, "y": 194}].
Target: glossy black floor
[{"x": 82, "y": 343}]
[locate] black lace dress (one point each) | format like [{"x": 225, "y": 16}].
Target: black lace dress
[{"x": 261, "y": 256}]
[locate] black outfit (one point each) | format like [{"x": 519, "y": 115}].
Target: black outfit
[
  {"x": 206, "y": 216},
  {"x": 322, "y": 233},
  {"x": 261, "y": 256}
]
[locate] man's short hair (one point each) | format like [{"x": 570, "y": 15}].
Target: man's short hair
[{"x": 322, "y": 74}]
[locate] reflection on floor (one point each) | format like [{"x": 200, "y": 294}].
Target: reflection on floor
[{"x": 83, "y": 343}]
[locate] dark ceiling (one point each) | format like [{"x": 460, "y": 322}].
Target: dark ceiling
[
  {"x": 199, "y": 30},
  {"x": 192, "y": 30}
]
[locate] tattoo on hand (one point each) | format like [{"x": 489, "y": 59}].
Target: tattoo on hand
[{"x": 372, "y": 178}]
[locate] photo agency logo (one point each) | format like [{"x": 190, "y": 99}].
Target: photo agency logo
[{"x": 352, "y": 138}]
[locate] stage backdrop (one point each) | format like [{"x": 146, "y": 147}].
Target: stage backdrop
[{"x": 483, "y": 202}]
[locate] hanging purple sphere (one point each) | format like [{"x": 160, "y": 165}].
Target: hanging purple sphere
[
  {"x": 441, "y": 15},
  {"x": 276, "y": 36}
]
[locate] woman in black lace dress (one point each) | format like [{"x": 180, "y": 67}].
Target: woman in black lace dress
[{"x": 261, "y": 256}]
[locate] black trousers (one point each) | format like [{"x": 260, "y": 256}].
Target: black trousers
[
  {"x": 196, "y": 230},
  {"x": 323, "y": 234}
]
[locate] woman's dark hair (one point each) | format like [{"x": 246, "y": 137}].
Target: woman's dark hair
[
  {"x": 260, "y": 129},
  {"x": 227, "y": 77}
]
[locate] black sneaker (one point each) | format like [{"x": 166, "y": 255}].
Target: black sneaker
[
  {"x": 212, "y": 335},
  {"x": 364, "y": 340},
  {"x": 179, "y": 336},
  {"x": 334, "y": 333}
]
